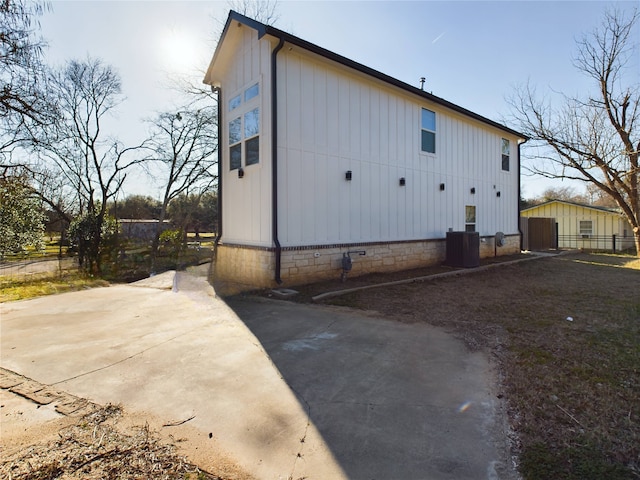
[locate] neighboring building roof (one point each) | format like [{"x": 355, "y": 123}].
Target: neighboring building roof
[
  {"x": 575, "y": 204},
  {"x": 263, "y": 30}
]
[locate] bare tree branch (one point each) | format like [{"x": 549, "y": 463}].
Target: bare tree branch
[
  {"x": 94, "y": 168},
  {"x": 185, "y": 144},
  {"x": 593, "y": 139}
]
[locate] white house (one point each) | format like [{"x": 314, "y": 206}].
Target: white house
[{"x": 320, "y": 155}]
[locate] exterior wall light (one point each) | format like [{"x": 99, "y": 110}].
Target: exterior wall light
[
  {"x": 497, "y": 194},
  {"x": 442, "y": 187},
  {"x": 240, "y": 172},
  {"x": 402, "y": 182},
  {"x": 348, "y": 176},
  {"x": 473, "y": 190}
]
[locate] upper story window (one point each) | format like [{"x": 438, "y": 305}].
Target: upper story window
[
  {"x": 505, "y": 154},
  {"x": 251, "y": 92},
  {"x": 244, "y": 128},
  {"x": 428, "y": 131},
  {"x": 235, "y": 102},
  {"x": 252, "y": 140}
]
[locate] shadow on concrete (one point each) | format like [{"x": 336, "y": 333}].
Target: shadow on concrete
[{"x": 390, "y": 400}]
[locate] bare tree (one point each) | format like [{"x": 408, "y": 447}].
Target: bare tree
[
  {"x": 23, "y": 98},
  {"x": 599, "y": 198},
  {"x": 92, "y": 166},
  {"x": 185, "y": 145},
  {"x": 264, "y": 11},
  {"x": 594, "y": 139},
  {"x": 567, "y": 194}
]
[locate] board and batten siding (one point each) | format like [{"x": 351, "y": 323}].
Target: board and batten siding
[
  {"x": 332, "y": 120},
  {"x": 246, "y": 207},
  {"x": 568, "y": 216}
]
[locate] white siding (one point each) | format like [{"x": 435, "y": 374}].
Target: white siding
[
  {"x": 332, "y": 120},
  {"x": 247, "y": 201}
]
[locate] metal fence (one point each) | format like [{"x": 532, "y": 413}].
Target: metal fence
[
  {"x": 609, "y": 243},
  {"x": 25, "y": 267}
]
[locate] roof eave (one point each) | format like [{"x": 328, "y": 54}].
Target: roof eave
[
  {"x": 263, "y": 30},
  {"x": 576, "y": 204}
]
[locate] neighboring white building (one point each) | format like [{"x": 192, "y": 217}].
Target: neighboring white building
[{"x": 320, "y": 155}]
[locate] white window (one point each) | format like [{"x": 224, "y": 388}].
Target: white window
[
  {"x": 428, "y": 131},
  {"x": 252, "y": 140},
  {"x": 235, "y": 143},
  {"x": 251, "y": 92},
  {"x": 586, "y": 228},
  {"x": 235, "y": 102},
  {"x": 470, "y": 218},
  {"x": 505, "y": 154},
  {"x": 244, "y": 128}
]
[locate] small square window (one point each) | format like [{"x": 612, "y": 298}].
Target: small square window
[
  {"x": 252, "y": 151},
  {"x": 251, "y": 92},
  {"x": 586, "y": 228}
]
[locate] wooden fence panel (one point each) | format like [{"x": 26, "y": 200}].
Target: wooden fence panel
[{"x": 539, "y": 233}]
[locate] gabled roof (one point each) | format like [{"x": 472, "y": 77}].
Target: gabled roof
[
  {"x": 614, "y": 211},
  {"x": 263, "y": 30}
]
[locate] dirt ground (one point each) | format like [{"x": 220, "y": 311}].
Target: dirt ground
[{"x": 38, "y": 442}]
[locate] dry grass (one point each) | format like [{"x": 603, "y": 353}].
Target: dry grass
[
  {"x": 566, "y": 334},
  {"x": 22, "y": 288},
  {"x": 97, "y": 448}
]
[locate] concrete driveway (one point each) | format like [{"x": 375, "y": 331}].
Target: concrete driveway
[{"x": 284, "y": 390}]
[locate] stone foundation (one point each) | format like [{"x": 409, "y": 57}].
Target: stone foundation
[{"x": 240, "y": 268}]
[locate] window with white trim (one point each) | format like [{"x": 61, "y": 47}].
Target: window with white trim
[
  {"x": 428, "y": 131},
  {"x": 244, "y": 128},
  {"x": 586, "y": 228},
  {"x": 505, "y": 154},
  {"x": 470, "y": 218},
  {"x": 235, "y": 102}
]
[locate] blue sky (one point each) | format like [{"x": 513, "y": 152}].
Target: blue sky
[{"x": 471, "y": 53}]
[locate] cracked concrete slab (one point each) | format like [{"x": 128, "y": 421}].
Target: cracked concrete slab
[
  {"x": 41, "y": 394},
  {"x": 9, "y": 379}
]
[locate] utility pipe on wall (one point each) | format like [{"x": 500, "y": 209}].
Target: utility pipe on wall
[
  {"x": 218, "y": 93},
  {"x": 274, "y": 159}
]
